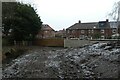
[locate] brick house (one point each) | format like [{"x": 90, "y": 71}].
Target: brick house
[
  {"x": 60, "y": 33},
  {"x": 92, "y": 30},
  {"x": 46, "y": 32}
]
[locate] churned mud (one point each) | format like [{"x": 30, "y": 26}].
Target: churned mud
[{"x": 96, "y": 61}]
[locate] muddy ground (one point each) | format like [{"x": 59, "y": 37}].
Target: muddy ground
[{"x": 95, "y": 61}]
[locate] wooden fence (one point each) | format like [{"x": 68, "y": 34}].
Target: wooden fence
[{"x": 50, "y": 42}]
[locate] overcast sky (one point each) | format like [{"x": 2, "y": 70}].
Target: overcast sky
[{"x": 61, "y": 14}]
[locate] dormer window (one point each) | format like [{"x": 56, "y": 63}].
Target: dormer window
[{"x": 102, "y": 24}]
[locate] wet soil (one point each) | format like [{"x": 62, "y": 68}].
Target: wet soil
[{"x": 50, "y": 62}]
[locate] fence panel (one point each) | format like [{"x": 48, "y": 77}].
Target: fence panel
[{"x": 50, "y": 42}]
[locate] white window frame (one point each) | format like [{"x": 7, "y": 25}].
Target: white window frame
[
  {"x": 103, "y": 37},
  {"x": 73, "y": 31},
  {"x": 92, "y": 31},
  {"x": 114, "y": 31},
  {"x": 10, "y": 30},
  {"x": 46, "y": 31},
  {"x": 68, "y": 31},
  {"x": 89, "y": 31},
  {"x": 102, "y": 31},
  {"x": 82, "y": 31}
]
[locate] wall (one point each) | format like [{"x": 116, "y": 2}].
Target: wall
[
  {"x": 76, "y": 42},
  {"x": 80, "y": 43},
  {"x": 62, "y": 42},
  {"x": 68, "y": 42},
  {"x": 50, "y": 42}
]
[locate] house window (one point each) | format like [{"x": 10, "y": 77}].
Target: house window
[
  {"x": 102, "y": 37},
  {"x": 2, "y": 28},
  {"x": 37, "y": 36},
  {"x": 92, "y": 31},
  {"x": 82, "y": 31},
  {"x": 73, "y": 31},
  {"x": 102, "y": 24},
  {"x": 46, "y": 25},
  {"x": 102, "y": 30},
  {"x": 68, "y": 31},
  {"x": 94, "y": 27},
  {"x": 10, "y": 30},
  {"x": 89, "y": 31},
  {"x": 114, "y": 31},
  {"x": 81, "y": 37},
  {"x": 46, "y": 31}
]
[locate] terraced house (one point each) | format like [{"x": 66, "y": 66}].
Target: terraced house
[{"x": 93, "y": 30}]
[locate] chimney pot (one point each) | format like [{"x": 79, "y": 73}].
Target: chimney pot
[
  {"x": 79, "y": 21},
  {"x": 107, "y": 20}
]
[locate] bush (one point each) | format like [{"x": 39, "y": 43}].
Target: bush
[
  {"x": 12, "y": 54},
  {"x": 6, "y": 41}
]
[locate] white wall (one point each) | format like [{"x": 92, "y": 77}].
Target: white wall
[{"x": 76, "y": 43}]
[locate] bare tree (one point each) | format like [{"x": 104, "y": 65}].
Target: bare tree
[
  {"x": 115, "y": 14},
  {"x": 116, "y": 11}
]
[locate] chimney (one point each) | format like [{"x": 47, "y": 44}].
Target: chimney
[
  {"x": 107, "y": 20},
  {"x": 79, "y": 21}
]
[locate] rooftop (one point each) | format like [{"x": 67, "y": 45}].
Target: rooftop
[{"x": 46, "y": 27}]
